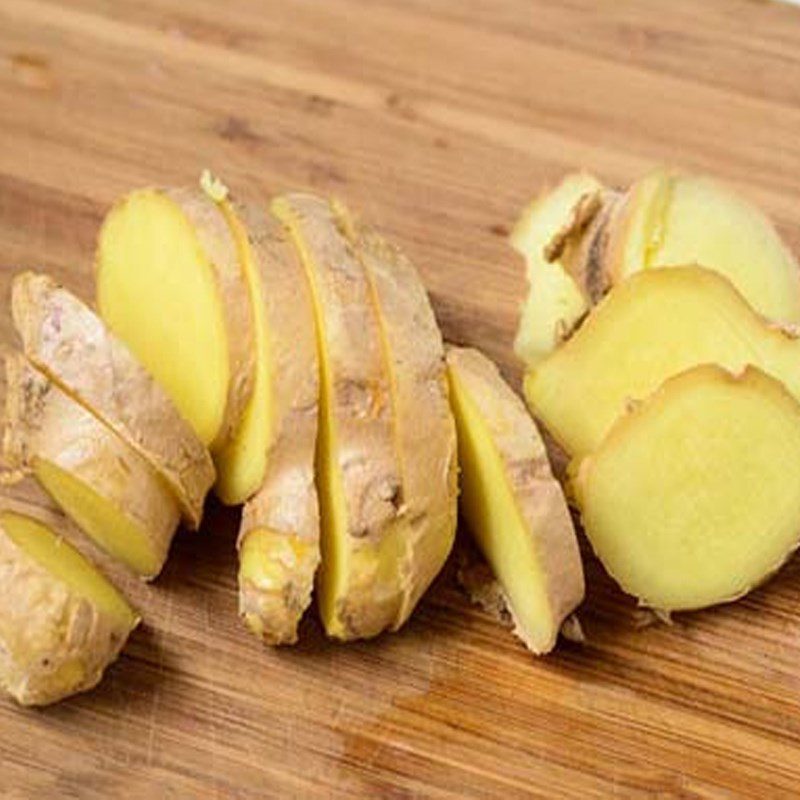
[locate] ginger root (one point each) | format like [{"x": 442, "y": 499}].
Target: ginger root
[
  {"x": 653, "y": 325},
  {"x": 424, "y": 428},
  {"x": 512, "y": 504},
  {"x": 688, "y": 502},
  {"x": 61, "y": 621}
]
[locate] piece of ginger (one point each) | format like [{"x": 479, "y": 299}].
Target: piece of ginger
[
  {"x": 692, "y": 498},
  {"x": 511, "y": 502}
]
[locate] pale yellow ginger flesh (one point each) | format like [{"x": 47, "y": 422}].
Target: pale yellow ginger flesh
[
  {"x": 692, "y": 498},
  {"x": 109, "y": 491},
  {"x": 67, "y": 341},
  {"x": 423, "y": 423},
  {"x": 555, "y": 302},
  {"x": 358, "y": 475},
  {"x": 657, "y": 323},
  {"x": 170, "y": 285},
  {"x": 670, "y": 219},
  {"x": 511, "y": 502},
  {"x": 279, "y": 549},
  {"x": 61, "y": 621},
  {"x": 242, "y": 462}
]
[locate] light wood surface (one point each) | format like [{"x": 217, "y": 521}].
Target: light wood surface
[{"x": 437, "y": 119}]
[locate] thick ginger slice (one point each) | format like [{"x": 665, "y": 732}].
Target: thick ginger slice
[
  {"x": 657, "y": 323},
  {"x": 358, "y": 474},
  {"x": 693, "y": 499},
  {"x": 555, "y": 301},
  {"x": 101, "y": 483},
  {"x": 511, "y": 502},
  {"x": 279, "y": 549},
  {"x": 61, "y": 622},
  {"x": 69, "y": 343},
  {"x": 424, "y": 428},
  {"x": 170, "y": 285}
]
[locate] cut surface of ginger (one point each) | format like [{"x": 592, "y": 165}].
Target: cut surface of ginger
[
  {"x": 169, "y": 285},
  {"x": 115, "y": 531},
  {"x": 242, "y": 462},
  {"x": 66, "y": 564},
  {"x": 513, "y": 506},
  {"x": 653, "y": 325},
  {"x": 671, "y": 219},
  {"x": 689, "y": 501},
  {"x": 555, "y": 303}
]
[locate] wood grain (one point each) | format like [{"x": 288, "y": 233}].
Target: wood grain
[{"x": 438, "y": 119}]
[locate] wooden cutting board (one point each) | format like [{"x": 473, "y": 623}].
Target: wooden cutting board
[{"x": 437, "y": 119}]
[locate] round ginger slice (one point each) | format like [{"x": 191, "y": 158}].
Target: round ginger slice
[
  {"x": 170, "y": 285},
  {"x": 101, "y": 483},
  {"x": 693, "y": 499},
  {"x": 61, "y": 621}
]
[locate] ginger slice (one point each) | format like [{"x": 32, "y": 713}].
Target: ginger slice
[
  {"x": 69, "y": 343},
  {"x": 101, "y": 483},
  {"x": 511, "y": 502},
  {"x": 657, "y": 323},
  {"x": 61, "y": 622},
  {"x": 170, "y": 285},
  {"x": 556, "y": 301},
  {"x": 358, "y": 475},
  {"x": 279, "y": 549},
  {"x": 424, "y": 428},
  {"x": 668, "y": 219},
  {"x": 688, "y": 502}
]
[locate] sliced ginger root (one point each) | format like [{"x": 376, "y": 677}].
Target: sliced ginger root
[
  {"x": 170, "y": 285},
  {"x": 423, "y": 423},
  {"x": 358, "y": 476},
  {"x": 689, "y": 502},
  {"x": 61, "y": 622},
  {"x": 555, "y": 301},
  {"x": 512, "y": 504},
  {"x": 69, "y": 343},
  {"x": 279, "y": 549},
  {"x": 657, "y": 323},
  {"x": 102, "y": 484}
]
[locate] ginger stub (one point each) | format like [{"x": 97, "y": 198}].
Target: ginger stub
[
  {"x": 170, "y": 285},
  {"x": 61, "y": 621},
  {"x": 512, "y": 504},
  {"x": 688, "y": 502},
  {"x": 655, "y": 324}
]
